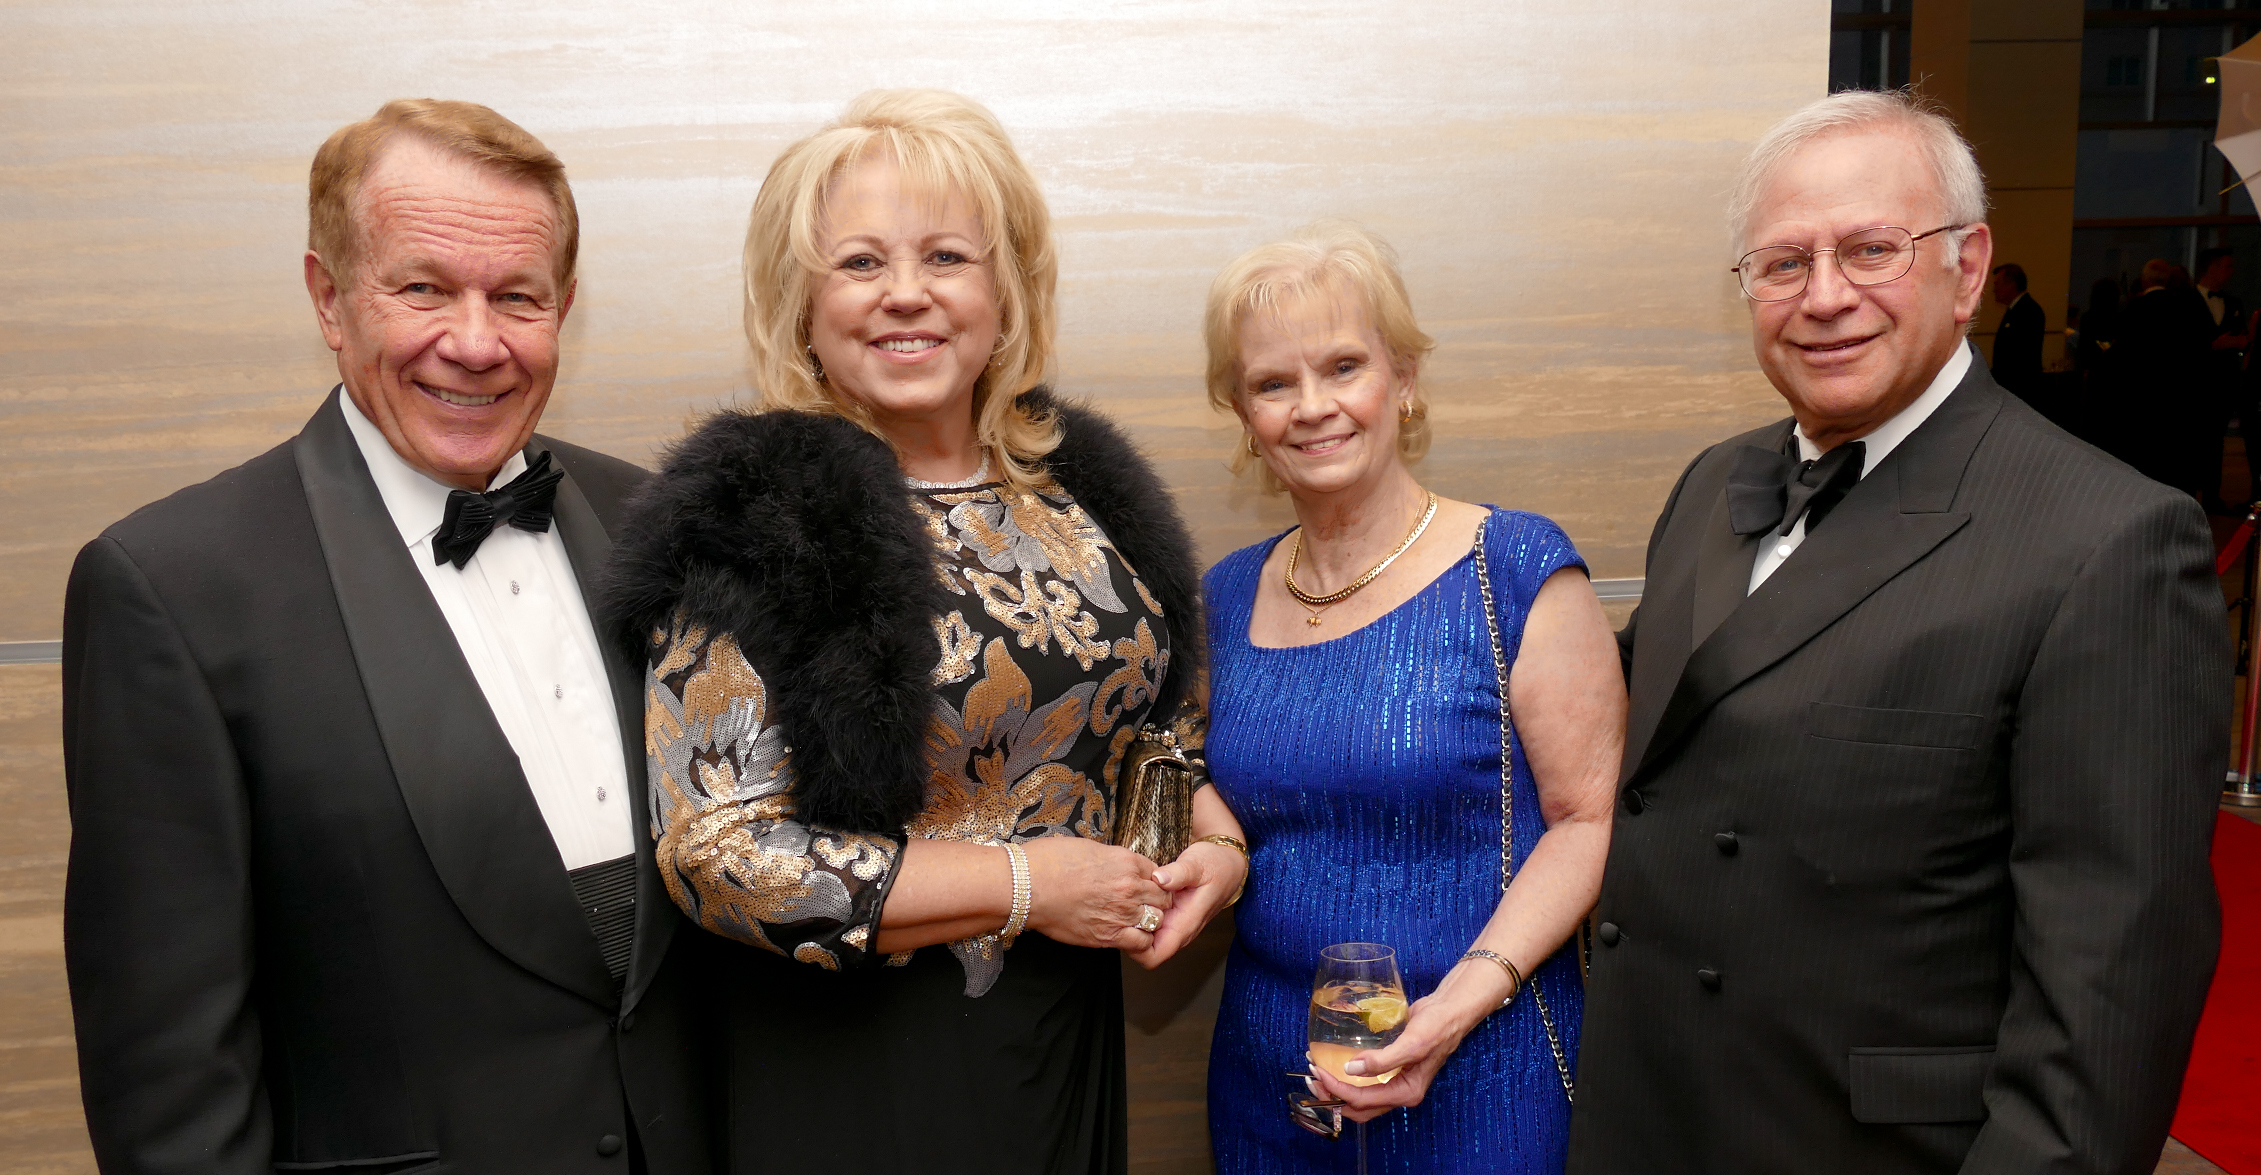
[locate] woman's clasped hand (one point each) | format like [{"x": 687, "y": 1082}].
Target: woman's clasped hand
[{"x": 1089, "y": 894}]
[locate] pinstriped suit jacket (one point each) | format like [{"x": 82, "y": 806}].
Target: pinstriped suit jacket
[{"x": 1910, "y": 866}]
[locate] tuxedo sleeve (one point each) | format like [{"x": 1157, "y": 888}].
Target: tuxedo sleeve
[
  {"x": 157, "y": 910},
  {"x": 2116, "y": 762}
]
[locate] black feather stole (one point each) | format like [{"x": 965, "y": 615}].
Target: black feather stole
[{"x": 794, "y": 533}]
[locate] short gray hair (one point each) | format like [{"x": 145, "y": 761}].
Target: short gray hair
[{"x": 1953, "y": 165}]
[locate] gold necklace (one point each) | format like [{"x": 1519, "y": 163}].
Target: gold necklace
[{"x": 1311, "y": 602}]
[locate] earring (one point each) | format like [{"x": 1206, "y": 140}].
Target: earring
[
  {"x": 1248, "y": 441},
  {"x": 816, "y": 365},
  {"x": 1405, "y": 412}
]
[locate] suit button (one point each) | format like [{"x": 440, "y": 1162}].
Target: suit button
[
  {"x": 628, "y": 1022},
  {"x": 609, "y": 1145},
  {"x": 1608, "y": 933},
  {"x": 1633, "y": 802},
  {"x": 1728, "y": 845},
  {"x": 1709, "y": 978}
]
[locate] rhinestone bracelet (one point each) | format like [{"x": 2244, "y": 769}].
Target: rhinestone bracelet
[
  {"x": 1023, "y": 895},
  {"x": 1513, "y": 976}
]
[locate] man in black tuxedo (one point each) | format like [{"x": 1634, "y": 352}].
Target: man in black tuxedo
[
  {"x": 2017, "y": 341},
  {"x": 357, "y": 879},
  {"x": 1929, "y": 715}
]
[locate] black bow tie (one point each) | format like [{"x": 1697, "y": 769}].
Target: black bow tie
[
  {"x": 524, "y": 503},
  {"x": 1767, "y": 491}
]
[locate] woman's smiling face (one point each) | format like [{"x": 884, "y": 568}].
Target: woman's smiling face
[
  {"x": 905, "y": 317},
  {"x": 1320, "y": 393}
]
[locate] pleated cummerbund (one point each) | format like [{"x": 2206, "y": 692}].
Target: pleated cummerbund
[{"x": 606, "y": 892}]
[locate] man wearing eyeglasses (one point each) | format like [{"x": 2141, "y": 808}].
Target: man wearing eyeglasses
[{"x": 1929, "y": 715}]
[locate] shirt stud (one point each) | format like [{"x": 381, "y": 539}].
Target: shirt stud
[
  {"x": 559, "y": 691},
  {"x": 600, "y": 795},
  {"x": 514, "y": 587}
]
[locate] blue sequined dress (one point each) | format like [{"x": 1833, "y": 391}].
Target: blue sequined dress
[{"x": 1366, "y": 772}]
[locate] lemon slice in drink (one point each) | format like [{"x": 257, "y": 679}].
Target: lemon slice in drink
[{"x": 1382, "y": 1012}]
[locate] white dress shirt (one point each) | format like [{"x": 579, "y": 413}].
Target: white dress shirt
[
  {"x": 1879, "y": 443},
  {"x": 517, "y": 614}
]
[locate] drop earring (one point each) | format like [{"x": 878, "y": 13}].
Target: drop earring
[
  {"x": 1405, "y": 412},
  {"x": 1248, "y": 441},
  {"x": 816, "y": 365}
]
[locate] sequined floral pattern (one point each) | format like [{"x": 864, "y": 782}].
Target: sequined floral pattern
[
  {"x": 731, "y": 853},
  {"x": 1043, "y": 672}
]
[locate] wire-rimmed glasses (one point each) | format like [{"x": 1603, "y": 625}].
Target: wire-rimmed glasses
[{"x": 1870, "y": 257}]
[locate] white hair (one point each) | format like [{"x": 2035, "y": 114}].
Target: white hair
[{"x": 1962, "y": 187}]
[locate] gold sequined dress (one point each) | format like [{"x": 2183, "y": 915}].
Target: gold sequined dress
[{"x": 1048, "y": 656}]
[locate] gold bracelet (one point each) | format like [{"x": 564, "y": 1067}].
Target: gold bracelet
[
  {"x": 1514, "y": 976},
  {"x": 1023, "y": 894},
  {"x": 1231, "y": 842}
]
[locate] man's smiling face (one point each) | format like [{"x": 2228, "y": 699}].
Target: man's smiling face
[
  {"x": 1849, "y": 357},
  {"x": 446, "y": 326}
]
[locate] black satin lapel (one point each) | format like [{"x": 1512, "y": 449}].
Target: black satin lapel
[
  {"x": 461, "y": 781},
  {"x": 1665, "y": 623},
  {"x": 1866, "y": 542},
  {"x": 1723, "y": 571},
  {"x": 588, "y": 544}
]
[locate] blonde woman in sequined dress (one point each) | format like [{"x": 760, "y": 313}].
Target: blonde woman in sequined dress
[
  {"x": 1359, "y": 734},
  {"x": 900, "y": 627}
]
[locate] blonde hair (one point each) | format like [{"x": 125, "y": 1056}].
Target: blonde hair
[
  {"x": 943, "y": 143},
  {"x": 1328, "y": 260},
  {"x": 465, "y": 129}
]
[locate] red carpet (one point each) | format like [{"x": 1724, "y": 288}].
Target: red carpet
[{"x": 2220, "y": 1115}]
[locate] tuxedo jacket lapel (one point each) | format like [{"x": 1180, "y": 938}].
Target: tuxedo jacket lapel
[
  {"x": 1723, "y": 571},
  {"x": 462, "y": 783},
  {"x": 588, "y": 544},
  {"x": 1689, "y": 597},
  {"x": 1893, "y": 518}
]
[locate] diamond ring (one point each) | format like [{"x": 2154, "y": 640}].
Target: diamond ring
[{"x": 1149, "y": 918}]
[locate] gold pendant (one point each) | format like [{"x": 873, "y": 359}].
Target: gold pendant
[{"x": 1313, "y": 621}]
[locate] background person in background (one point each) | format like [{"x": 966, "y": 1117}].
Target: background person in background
[
  {"x": 2099, "y": 322},
  {"x": 900, "y": 628},
  {"x": 356, "y": 874},
  {"x": 2161, "y": 405},
  {"x": 1358, "y": 728},
  {"x": 2017, "y": 342},
  {"x": 1910, "y": 868},
  {"x": 2225, "y": 370}
]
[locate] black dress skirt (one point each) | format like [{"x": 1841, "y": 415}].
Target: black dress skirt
[{"x": 896, "y": 1069}]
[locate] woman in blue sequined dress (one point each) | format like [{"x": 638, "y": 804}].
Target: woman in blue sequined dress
[{"x": 1356, "y": 730}]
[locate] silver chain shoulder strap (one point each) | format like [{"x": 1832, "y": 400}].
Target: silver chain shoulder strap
[{"x": 1507, "y": 802}]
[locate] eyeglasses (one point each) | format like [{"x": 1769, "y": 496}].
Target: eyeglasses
[
  {"x": 1870, "y": 257},
  {"x": 1313, "y": 1111}
]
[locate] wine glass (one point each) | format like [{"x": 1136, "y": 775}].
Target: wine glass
[{"x": 1357, "y": 1004}]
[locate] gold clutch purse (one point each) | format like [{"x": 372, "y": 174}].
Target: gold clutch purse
[{"x": 1154, "y": 797}]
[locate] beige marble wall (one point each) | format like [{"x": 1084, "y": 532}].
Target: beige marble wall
[{"x": 1551, "y": 171}]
